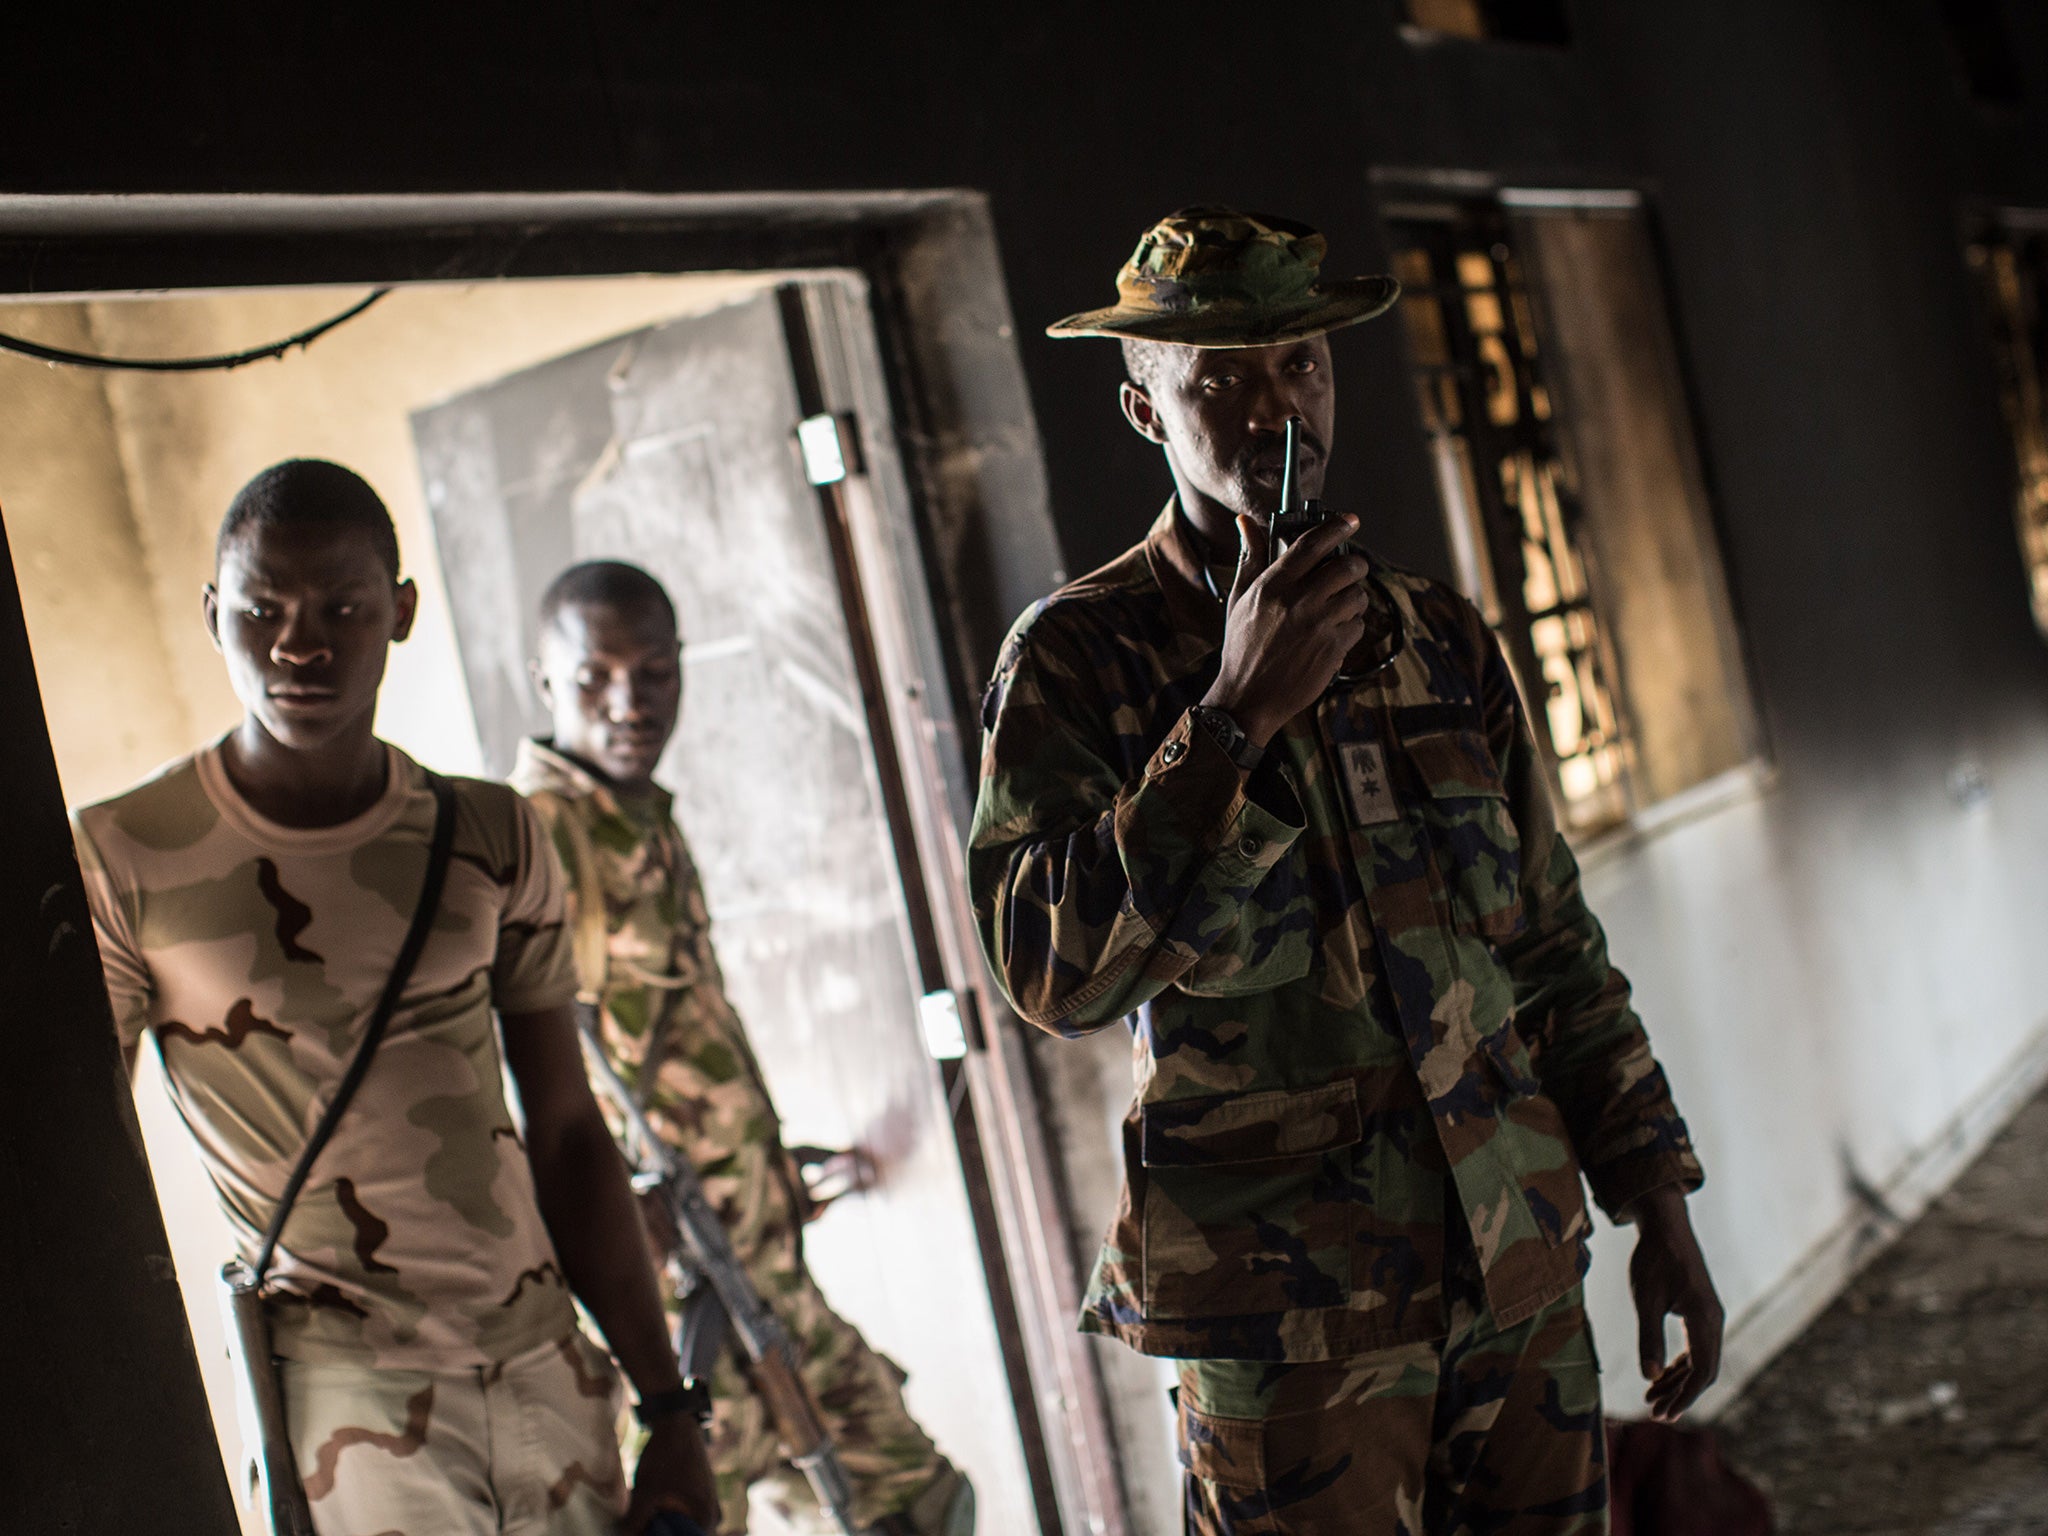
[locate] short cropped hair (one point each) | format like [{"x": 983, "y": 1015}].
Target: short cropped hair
[
  {"x": 606, "y": 583},
  {"x": 309, "y": 493},
  {"x": 1141, "y": 360}
]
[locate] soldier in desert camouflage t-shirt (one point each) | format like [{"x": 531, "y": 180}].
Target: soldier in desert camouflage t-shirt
[
  {"x": 254, "y": 952},
  {"x": 250, "y": 904}
]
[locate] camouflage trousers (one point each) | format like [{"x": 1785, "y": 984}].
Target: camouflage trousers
[
  {"x": 890, "y": 1461},
  {"x": 1488, "y": 1432},
  {"x": 525, "y": 1448}
]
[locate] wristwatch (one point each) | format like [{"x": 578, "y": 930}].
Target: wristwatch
[
  {"x": 1228, "y": 735},
  {"x": 692, "y": 1397}
]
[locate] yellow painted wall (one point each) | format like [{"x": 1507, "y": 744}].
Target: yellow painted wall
[
  {"x": 108, "y": 691},
  {"x": 192, "y": 441}
]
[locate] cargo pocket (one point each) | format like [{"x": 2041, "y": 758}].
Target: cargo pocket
[
  {"x": 1228, "y": 1452},
  {"x": 1472, "y": 836},
  {"x": 1249, "y": 1205},
  {"x": 1302, "y": 1457}
]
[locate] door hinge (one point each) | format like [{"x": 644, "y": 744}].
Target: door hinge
[{"x": 831, "y": 447}]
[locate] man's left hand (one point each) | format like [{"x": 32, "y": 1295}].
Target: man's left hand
[
  {"x": 1668, "y": 1275},
  {"x": 674, "y": 1474}
]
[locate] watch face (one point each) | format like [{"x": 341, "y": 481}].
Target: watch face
[{"x": 1226, "y": 732}]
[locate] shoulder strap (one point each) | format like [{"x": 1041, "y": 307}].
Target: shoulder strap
[{"x": 438, "y": 855}]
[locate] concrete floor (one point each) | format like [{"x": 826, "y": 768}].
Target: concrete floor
[{"x": 1918, "y": 1403}]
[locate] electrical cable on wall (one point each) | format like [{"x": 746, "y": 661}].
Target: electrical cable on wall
[{"x": 223, "y": 360}]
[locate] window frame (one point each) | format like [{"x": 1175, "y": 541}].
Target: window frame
[
  {"x": 2026, "y": 464},
  {"x": 1488, "y": 555}
]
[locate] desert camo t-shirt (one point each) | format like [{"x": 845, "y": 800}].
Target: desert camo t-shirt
[{"x": 255, "y": 953}]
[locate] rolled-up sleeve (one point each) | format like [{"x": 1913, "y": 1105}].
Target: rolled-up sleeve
[{"x": 1095, "y": 889}]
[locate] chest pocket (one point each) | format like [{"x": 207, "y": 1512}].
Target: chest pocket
[{"x": 1463, "y": 807}]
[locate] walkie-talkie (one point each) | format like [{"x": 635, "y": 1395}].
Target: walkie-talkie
[
  {"x": 1384, "y": 637},
  {"x": 1296, "y": 517}
]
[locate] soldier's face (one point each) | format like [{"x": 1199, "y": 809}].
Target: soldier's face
[
  {"x": 303, "y": 617},
  {"x": 1221, "y": 415},
  {"x": 612, "y": 679}
]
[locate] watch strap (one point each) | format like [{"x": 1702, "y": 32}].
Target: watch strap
[
  {"x": 692, "y": 1397},
  {"x": 1228, "y": 735}
]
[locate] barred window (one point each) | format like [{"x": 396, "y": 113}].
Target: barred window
[
  {"x": 2010, "y": 263},
  {"x": 1571, "y": 490}
]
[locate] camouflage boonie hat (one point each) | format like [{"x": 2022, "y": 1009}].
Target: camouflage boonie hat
[{"x": 1214, "y": 277}]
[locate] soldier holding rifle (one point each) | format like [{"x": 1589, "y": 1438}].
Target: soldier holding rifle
[
  {"x": 610, "y": 675},
  {"x": 1282, "y": 810}
]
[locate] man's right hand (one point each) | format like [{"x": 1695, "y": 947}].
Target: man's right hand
[
  {"x": 674, "y": 1474},
  {"x": 1288, "y": 626}
]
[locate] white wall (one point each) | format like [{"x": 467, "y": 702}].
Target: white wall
[{"x": 1841, "y": 990}]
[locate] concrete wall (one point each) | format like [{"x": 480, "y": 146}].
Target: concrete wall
[
  {"x": 113, "y": 484},
  {"x": 1833, "y": 962}
]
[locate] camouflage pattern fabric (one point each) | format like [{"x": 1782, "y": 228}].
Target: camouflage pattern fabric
[
  {"x": 1490, "y": 1430},
  {"x": 892, "y": 1463},
  {"x": 643, "y": 944},
  {"x": 254, "y": 953},
  {"x": 1363, "y": 968},
  {"x": 521, "y": 1448},
  {"x": 1214, "y": 277}
]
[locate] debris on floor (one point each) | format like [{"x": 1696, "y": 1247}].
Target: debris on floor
[{"x": 1917, "y": 1405}]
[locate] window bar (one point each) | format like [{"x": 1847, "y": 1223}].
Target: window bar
[{"x": 1489, "y": 415}]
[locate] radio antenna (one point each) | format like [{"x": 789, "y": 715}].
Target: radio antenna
[{"x": 1287, "y": 502}]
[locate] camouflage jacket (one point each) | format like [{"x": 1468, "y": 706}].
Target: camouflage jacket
[
  {"x": 644, "y": 955},
  {"x": 1366, "y": 990}
]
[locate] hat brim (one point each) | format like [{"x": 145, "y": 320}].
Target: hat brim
[{"x": 1331, "y": 307}]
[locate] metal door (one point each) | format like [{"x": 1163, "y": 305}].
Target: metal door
[{"x": 675, "y": 448}]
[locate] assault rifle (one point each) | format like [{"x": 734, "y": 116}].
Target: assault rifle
[{"x": 724, "y": 1296}]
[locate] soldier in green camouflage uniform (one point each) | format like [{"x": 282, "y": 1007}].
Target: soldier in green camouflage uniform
[
  {"x": 1282, "y": 809},
  {"x": 609, "y": 673}
]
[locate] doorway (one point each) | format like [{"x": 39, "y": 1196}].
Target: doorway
[
  {"x": 676, "y": 447},
  {"x": 931, "y": 549}
]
